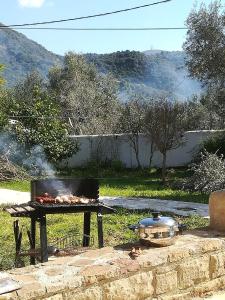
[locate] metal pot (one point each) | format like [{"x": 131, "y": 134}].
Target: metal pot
[{"x": 157, "y": 231}]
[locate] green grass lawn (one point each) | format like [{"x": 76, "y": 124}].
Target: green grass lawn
[
  {"x": 129, "y": 183},
  {"x": 115, "y": 229}
]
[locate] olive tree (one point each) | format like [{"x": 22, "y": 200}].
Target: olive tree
[
  {"x": 205, "y": 49},
  {"x": 205, "y": 42},
  {"x": 37, "y": 121},
  {"x": 2, "y": 80},
  {"x": 132, "y": 122},
  {"x": 88, "y": 99},
  {"x": 164, "y": 124}
]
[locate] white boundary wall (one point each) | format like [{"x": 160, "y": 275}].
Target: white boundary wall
[{"x": 117, "y": 147}]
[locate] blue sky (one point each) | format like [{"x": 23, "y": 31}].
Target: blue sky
[{"x": 170, "y": 14}]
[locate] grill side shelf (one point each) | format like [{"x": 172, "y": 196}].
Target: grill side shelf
[{"x": 22, "y": 210}]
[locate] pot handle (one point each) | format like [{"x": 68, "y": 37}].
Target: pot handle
[
  {"x": 156, "y": 215},
  {"x": 181, "y": 228}
]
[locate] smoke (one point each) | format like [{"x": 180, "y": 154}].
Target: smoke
[
  {"x": 33, "y": 160},
  {"x": 37, "y": 163},
  {"x": 56, "y": 187}
]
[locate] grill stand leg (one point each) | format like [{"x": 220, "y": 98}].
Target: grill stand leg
[
  {"x": 43, "y": 239},
  {"x": 33, "y": 238},
  {"x": 100, "y": 229},
  {"x": 18, "y": 239},
  {"x": 86, "y": 229}
]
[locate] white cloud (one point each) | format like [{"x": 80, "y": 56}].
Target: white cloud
[{"x": 31, "y": 3}]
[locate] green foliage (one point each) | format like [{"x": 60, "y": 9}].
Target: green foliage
[
  {"x": 164, "y": 124},
  {"x": 205, "y": 43},
  {"x": 206, "y": 57},
  {"x": 215, "y": 144},
  {"x": 1, "y": 78},
  {"x": 132, "y": 122},
  {"x": 4, "y": 116},
  {"x": 122, "y": 63},
  {"x": 148, "y": 73},
  {"x": 117, "y": 165},
  {"x": 208, "y": 174},
  {"x": 86, "y": 97},
  {"x": 199, "y": 115},
  {"x": 38, "y": 121},
  {"x": 110, "y": 165}
]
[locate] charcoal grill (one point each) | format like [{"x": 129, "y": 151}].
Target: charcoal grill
[{"x": 88, "y": 188}]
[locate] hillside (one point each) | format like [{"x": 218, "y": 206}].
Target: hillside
[
  {"x": 149, "y": 72},
  {"x": 21, "y": 56}
]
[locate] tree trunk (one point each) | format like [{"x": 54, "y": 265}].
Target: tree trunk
[
  {"x": 135, "y": 145},
  {"x": 164, "y": 168},
  {"x": 151, "y": 154},
  {"x": 138, "y": 161},
  {"x": 136, "y": 150}
]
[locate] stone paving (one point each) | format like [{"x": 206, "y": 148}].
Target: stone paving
[
  {"x": 13, "y": 197},
  {"x": 177, "y": 207},
  {"x": 181, "y": 208}
]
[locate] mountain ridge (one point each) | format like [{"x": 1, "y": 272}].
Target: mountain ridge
[
  {"x": 149, "y": 72},
  {"x": 21, "y": 56}
]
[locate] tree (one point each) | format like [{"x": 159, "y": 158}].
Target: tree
[
  {"x": 205, "y": 44},
  {"x": 1, "y": 78},
  {"x": 3, "y": 103},
  {"x": 205, "y": 48},
  {"x": 88, "y": 99},
  {"x": 131, "y": 122},
  {"x": 199, "y": 114},
  {"x": 38, "y": 122},
  {"x": 208, "y": 174},
  {"x": 164, "y": 124}
]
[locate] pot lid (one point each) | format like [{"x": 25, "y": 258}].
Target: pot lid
[{"x": 157, "y": 221}]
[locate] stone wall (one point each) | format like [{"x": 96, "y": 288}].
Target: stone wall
[
  {"x": 191, "y": 268},
  {"x": 118, "y": 147}
]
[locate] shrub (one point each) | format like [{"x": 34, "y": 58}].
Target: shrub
[
  {"x": 215, "y": 144},
  {"x": 10, "y": 171},
  {"x": 208, "y": 174},
  {"x": 117, "y": 165}
]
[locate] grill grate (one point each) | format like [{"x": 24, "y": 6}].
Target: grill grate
[{"x": 87, "y": 188}]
